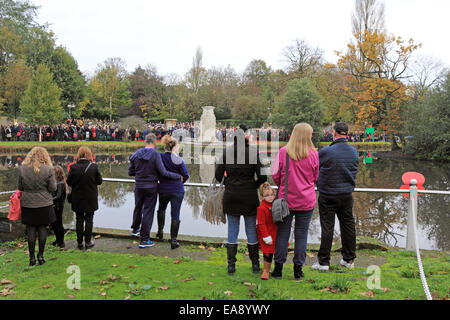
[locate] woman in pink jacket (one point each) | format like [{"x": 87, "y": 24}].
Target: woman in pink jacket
[{"x": 301, "y": 196}]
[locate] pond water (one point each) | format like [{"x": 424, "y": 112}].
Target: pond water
[{"x": 381, "y": 216}]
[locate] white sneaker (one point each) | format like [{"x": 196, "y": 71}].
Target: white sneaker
[
  {"x": 318, "y": 266},
  {"x": 349, "y": 265}
]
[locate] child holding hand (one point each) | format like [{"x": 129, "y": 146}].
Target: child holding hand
[{"x": 266, "y": 228}]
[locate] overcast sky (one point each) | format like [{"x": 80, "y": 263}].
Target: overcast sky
[{"x": 166, "y": 33}]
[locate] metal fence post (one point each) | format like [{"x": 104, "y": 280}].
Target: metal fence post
[{"x": 412, "y": 216}]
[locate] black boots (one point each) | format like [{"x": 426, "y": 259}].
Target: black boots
[
  {"x": 40, "y": 258},
  {"x": 231, "y": 257},
  {"x": 161, "y": 214},
  {"x": 277, "y": 272},
  {"x": 253, "y": 253},
  {"x": 32, "y": 260},
  {"x": 174, "y": 227},
  {"x": 298, "y": 273}
]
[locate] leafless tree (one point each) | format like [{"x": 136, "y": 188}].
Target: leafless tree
[
  {"x": 368, "y": 15},
  {"x": 426, "y": 72},
  {"x": 301, "y": 58},
  {"x": 195, "y": 75}
]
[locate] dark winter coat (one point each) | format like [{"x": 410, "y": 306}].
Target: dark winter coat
[
  {"x": 84, "y": 186},
  {"x": 59, "y": 197},
  {"x": 338, "y": 165},
  {"x": 241, "y": 195}
]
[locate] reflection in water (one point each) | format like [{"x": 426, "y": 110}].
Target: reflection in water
[{"x": 377, "y": 215}]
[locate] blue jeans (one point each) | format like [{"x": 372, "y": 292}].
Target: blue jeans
[
  {"x": 250, "y": 228},
  {"x": 175, "y": 199},
  {"x": 302, "y": 220}
]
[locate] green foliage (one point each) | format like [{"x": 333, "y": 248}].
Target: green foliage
[
  {"x": 108, "y": 91},
  {"x": 427, "y": 120},
  {"x": 40, "y": 104},
  {"x": 67, "y": 77},
  {"x": 300, "y": 103}
]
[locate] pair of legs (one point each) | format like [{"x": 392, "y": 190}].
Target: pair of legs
[
  {"x": 302, "y": 221},
  {"x": 58, "y": 227},
  {"x": 252, "y": 238},
  {"x": 342, "y": 207},
  {"x": 84, "y": 225},
  {"x": 41, "y": 232},
  {"x": 144, "y": 211},
  {"x": 175, "y": 199}
]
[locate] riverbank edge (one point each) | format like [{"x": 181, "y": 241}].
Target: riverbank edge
[{"x": 108, "y": 146}]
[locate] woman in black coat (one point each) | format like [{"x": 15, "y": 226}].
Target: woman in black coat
[
  {"x": 84, "y": 177},
  {"x": 241, "y": 162}
]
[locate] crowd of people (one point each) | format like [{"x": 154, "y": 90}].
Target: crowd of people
[
  {"x": 93, "y": 130},
  {"x": 44, "y": 189},
  {"x": 359, "y": 136}
]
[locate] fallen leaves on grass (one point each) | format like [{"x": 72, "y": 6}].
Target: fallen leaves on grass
[
  {"x": 115, "y": 266},
  {"x": 228, "y": 293},
  {"x": 132, "y": 266},
  {"x": 367, "y": 294},
  {"x": 46, "y": 286},
  {"x": 5, "y": 281},
  {"x": 176, "y": 261},
  {"x": 188, "y": 279},
  {"x": 112, "y": 278},
  {"x": 163, "y": 287},
  {"x": 6, "y": 292},
  {"x": 210, "y": 283}
]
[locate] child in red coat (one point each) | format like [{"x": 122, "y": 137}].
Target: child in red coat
[{"x": 266, "y": 228}]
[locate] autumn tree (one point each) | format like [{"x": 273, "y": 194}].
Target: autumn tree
[
  {"x": 13, "y": 84},
  {"x": 109, "y": 90},
  {"x": 147, "y": 91}
]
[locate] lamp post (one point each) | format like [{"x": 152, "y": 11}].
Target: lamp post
[{"x": 70, "y": 106}]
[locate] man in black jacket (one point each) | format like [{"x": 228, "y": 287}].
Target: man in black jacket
[{"x": 337, "y": 175}]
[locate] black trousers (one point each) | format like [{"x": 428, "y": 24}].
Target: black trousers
[
  {"x": 342, "y": 207},
  {"x": 57, "y": 226},
  {"x": 84, "y": 225}
]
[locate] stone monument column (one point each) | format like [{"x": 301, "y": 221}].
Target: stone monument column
[{"x": 208, "y": 125}]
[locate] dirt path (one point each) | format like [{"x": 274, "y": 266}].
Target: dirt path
[{"x": 121, "y": 245}]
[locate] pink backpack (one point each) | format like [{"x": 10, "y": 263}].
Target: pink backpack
[{"x": 14, "y": 206}]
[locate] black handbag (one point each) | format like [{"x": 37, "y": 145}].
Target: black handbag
[
  {"x": 69, "y": 195},
  {"x": 280, "y": 209}
]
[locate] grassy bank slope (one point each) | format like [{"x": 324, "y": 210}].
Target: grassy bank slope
[{"x": 196, "y": 272}]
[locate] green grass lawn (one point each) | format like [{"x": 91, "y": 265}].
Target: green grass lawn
[{"x": 119, "y": 276}]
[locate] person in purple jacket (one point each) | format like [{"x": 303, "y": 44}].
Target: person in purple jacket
[
  {"x": 171, "y": 190},
  {"x": 147, "y": 168}
]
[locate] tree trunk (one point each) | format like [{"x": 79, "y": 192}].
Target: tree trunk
[{"x": 40, "y": 134}]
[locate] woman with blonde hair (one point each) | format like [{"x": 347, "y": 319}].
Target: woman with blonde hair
[
  {"x": 84, "y": 177},
  {"x": 302, "y": 174},
  {"x": 37, "y": 183}
]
